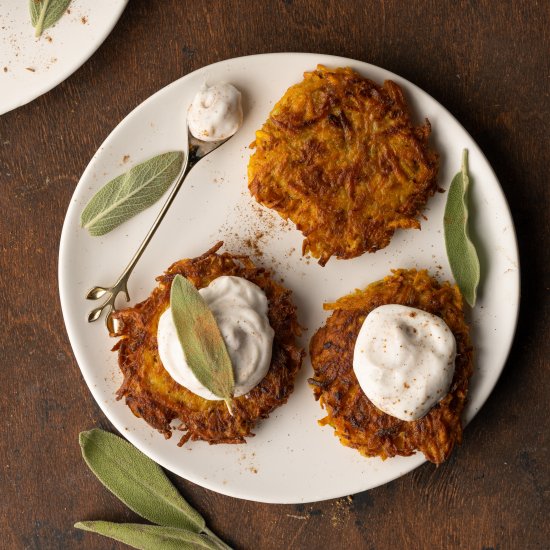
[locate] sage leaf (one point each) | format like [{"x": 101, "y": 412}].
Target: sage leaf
[
  {"x": 130, "y": 193},
  {"x": 201, "y": 339},
  {"x": 137, "y": 481},
  {"x": 149, "y": 537},
  {"x": 46, "y": 13},
  {"x": 460, "y": 249}
]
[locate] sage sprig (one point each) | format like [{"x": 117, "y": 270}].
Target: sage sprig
[
  {"x": 460, "y": 249},
  {"x": 201, "y": 340},
  {"x": 130, "y": 193},
  {"x": 137, "y": 481},
  {"x": 142, "y": 485},
  {"x": 149, "y": 536},
  {"x": 46, "y": 13}
]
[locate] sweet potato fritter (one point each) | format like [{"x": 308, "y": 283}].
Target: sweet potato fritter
[
  {"x": 356, "y": 421},
  {"x": 153, "y": 395},
  {"x": 340, "y": 157}
]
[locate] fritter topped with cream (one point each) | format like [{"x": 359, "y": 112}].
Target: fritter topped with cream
[
  {"x": 340, "y": 157},
  {"x": 153, "y": 395},
  {"x": 355, "y": 419}
]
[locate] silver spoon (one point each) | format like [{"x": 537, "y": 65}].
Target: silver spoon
[{"x": 197, "y": 150}]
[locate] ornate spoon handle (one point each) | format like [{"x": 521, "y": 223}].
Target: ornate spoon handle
[{"x": 198, "y": 149}]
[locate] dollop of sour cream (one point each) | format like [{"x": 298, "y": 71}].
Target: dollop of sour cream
[
  {"x": 240, "y": 309},
  {"x": 404, "y": 360},
  {"x": 216, "y": 112}
]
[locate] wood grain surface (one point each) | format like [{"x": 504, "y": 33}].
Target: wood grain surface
[{"x": 487, "y": 62}]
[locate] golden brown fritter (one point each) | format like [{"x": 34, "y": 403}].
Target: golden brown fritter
[
  {"x": 153, "y": 395},
  {"x": 340, "y": 157},
  {"x": 356, "y": 421}
]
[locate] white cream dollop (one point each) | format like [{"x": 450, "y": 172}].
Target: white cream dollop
[
  {"x": 240, "y": 309},
  {"x": 404, "y": 360},
  {"x": 216, "y": 112}
]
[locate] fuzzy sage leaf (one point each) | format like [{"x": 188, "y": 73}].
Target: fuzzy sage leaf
[
  {"x": 460, "y": 249},
  {"x": 201, "y": 339},
  {"x": 149, "y": 537},
  {"x": 46, "y": 13},
  {"x": 130, "y": 193},
  {"x": 137, "y": 481}
]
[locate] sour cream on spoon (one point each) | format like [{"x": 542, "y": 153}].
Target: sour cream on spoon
[
  {"x": 404, "y": 360},
  {"x": 216, "y": 112},
  {"x": 240, "y": 309}
]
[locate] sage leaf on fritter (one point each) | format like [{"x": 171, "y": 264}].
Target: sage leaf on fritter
[
  {"x": 201, "y": 339},
  {"x": 130, "y": 193},
  {"x": 46, "y": 13},
  {"x": 461, "y": 252},
  {"x": 137, "y": 481},
  {"x": 149, "y": 537}
]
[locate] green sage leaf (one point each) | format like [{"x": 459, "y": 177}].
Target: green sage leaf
[
  {"x": 201, "y": 339},
  {"x": 137, "y": 481},
  {"x": 130, "y": 193},
  {"x": 46, "y": 13},
  {"x": 460, "y": 249},
  {"x": 149, "y": 537}
]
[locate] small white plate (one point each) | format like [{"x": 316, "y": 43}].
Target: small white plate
[
  {"x": 30, "y": 66},
  {"x": 291, "y": 459}
]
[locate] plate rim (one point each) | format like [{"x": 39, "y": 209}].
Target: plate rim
[
  {"x": 337, "y": 61},
  {"x": 39, "y": 91}
]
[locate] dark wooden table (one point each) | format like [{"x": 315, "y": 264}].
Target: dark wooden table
[{"x": 487, "y": 62}]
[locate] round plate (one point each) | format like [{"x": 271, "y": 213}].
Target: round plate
[
  {"x": 32, "y": 66},
  {"x": 291, "y": 459}
]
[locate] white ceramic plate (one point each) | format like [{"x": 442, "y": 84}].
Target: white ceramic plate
[
  {"x": 291, "y": 459},
  {"x": 30, "y": 66}
]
